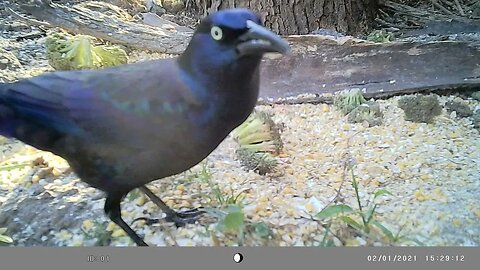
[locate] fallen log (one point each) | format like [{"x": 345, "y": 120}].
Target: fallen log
[
  {"x": 165, "y": 38},
  {"x": 320, "y": 66}
]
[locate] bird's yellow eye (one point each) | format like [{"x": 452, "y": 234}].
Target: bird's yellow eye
[{"x": 216, "y": 33}]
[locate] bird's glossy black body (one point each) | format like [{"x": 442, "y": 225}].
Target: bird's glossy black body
[{"x": 123, "y": 127}]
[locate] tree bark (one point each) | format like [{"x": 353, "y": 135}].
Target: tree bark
[{"x": 289, "y": 17}]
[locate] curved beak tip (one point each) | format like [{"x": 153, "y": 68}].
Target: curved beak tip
[
  {"x": 287, "y": 51},
  {"x": 259, "y": 39}
]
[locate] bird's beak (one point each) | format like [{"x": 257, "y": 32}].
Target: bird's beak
[{"x": 259, "y": 40}]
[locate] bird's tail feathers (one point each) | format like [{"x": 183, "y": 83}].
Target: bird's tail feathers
[{"x": 6, "y": 122}]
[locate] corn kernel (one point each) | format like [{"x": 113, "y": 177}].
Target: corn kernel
[
  {"x": 290, "y": 212},
  {"x": 140, "y": 223},
  {"x": 35, "y": 179},
  {"x": 77, "y": 243},
  {"x": 141, "y": 201},
  {"x": 111, "y": 226},
  {"x": 325, "y": 108},
  {"x": 454, "y": 135},
  {"x": 477, "y": 212},
  {"x": 87, "y": 224},
  {"x": 56, "y": 172},
  {"x": 352, "y": 243},
  {"x": 118, "y": 233},
  {"x": 151, "y": 206},
  {"x": 420, "y": 196},
  {"x": 185, "y": 204},
  {"x": 170, "y": 203},
  {"x": 424, "y": 177},
  {"x": 64, "y": 235},
  {"x": 262, "y": 213},
  {"x": 288, "y": 190},
  {"x": 456, "y": 222},
  {"x": 309, "y": 207}
]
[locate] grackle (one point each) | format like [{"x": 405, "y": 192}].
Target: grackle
[{"x": 123, "y": 127}]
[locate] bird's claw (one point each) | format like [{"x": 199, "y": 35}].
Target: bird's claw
[
  {"x": 180, "y": 219},
  {"x": 148, "y": 221}
]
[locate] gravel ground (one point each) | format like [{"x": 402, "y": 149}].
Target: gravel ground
[{"x": 432, "y": 171}]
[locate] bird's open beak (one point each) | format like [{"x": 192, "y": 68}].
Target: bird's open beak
[{"x": 259, "y": 40}]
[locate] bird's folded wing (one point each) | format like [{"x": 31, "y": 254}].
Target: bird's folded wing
[{"x": 142, "y": 98}]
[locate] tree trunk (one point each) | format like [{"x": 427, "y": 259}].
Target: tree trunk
[{"x": 288, "y": 17}]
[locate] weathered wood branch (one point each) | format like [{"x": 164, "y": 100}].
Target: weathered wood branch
[
  {"x": 320, "y": 66},
  {"x": 166, "y": 38}
]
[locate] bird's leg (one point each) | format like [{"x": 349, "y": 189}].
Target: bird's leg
[
  {"x": 112, "y": 209},
  {"x": 179, "y": 218}
]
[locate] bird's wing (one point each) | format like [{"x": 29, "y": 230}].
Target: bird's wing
[{"x": 142, "y": 98}]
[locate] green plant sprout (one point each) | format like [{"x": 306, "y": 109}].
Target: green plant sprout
[
  {"x": 259, "y": 140},
  {"x": 348, "y": 101},
  {"x": 66, "y": 52},
  {"x": 344, "y": 213}
]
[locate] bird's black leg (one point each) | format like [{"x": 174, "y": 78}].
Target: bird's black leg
[
  {"x": 112, "y": 209},
  {"x": 179, "y": 218}
]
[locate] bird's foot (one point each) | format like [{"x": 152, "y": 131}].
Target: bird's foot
[{"x": 180, "y": 219}]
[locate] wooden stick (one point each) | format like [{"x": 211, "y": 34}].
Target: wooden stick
[
  {"x": 459, "y": 7},
  {"x": 27, "y": 20},
  {"x": 442, "y": 8}
]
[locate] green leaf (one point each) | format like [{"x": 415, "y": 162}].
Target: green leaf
[
  {"x": 13, "y": 167},
  {"x": 133, "y": 195},
  {"x": 351, "y": 222},
  {"x": 232, "y": 208},
  {"x": 382, "y": 192},
  {"x": 5, "y": 239},
  {"x": 234, "y": 221},
  {"x": 327, "y": 230},
  {"x": 370, "y": 213},
  {"x": 385, "y": 230},
  {"x": 261, "y": 229},
  {"x": 333, "y": 210},
  {"x": 3, "y": 230}
]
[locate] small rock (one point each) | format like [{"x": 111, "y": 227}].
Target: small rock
[
  {"x": 476, "y": 95},
  {"x": 173, "y": 6},
  {"x": 70, "y": 192},
  {"x": 36, "y": 189},
  {"x": 8, "y": 59},
  {"x": 420, "y": 108},
  {"x": 460, "y": 107}
]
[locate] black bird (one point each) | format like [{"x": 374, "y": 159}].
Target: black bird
[{"x": 123, "y": 127}]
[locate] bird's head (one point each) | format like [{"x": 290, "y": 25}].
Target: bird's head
[{"x": 231, "y": 39}]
